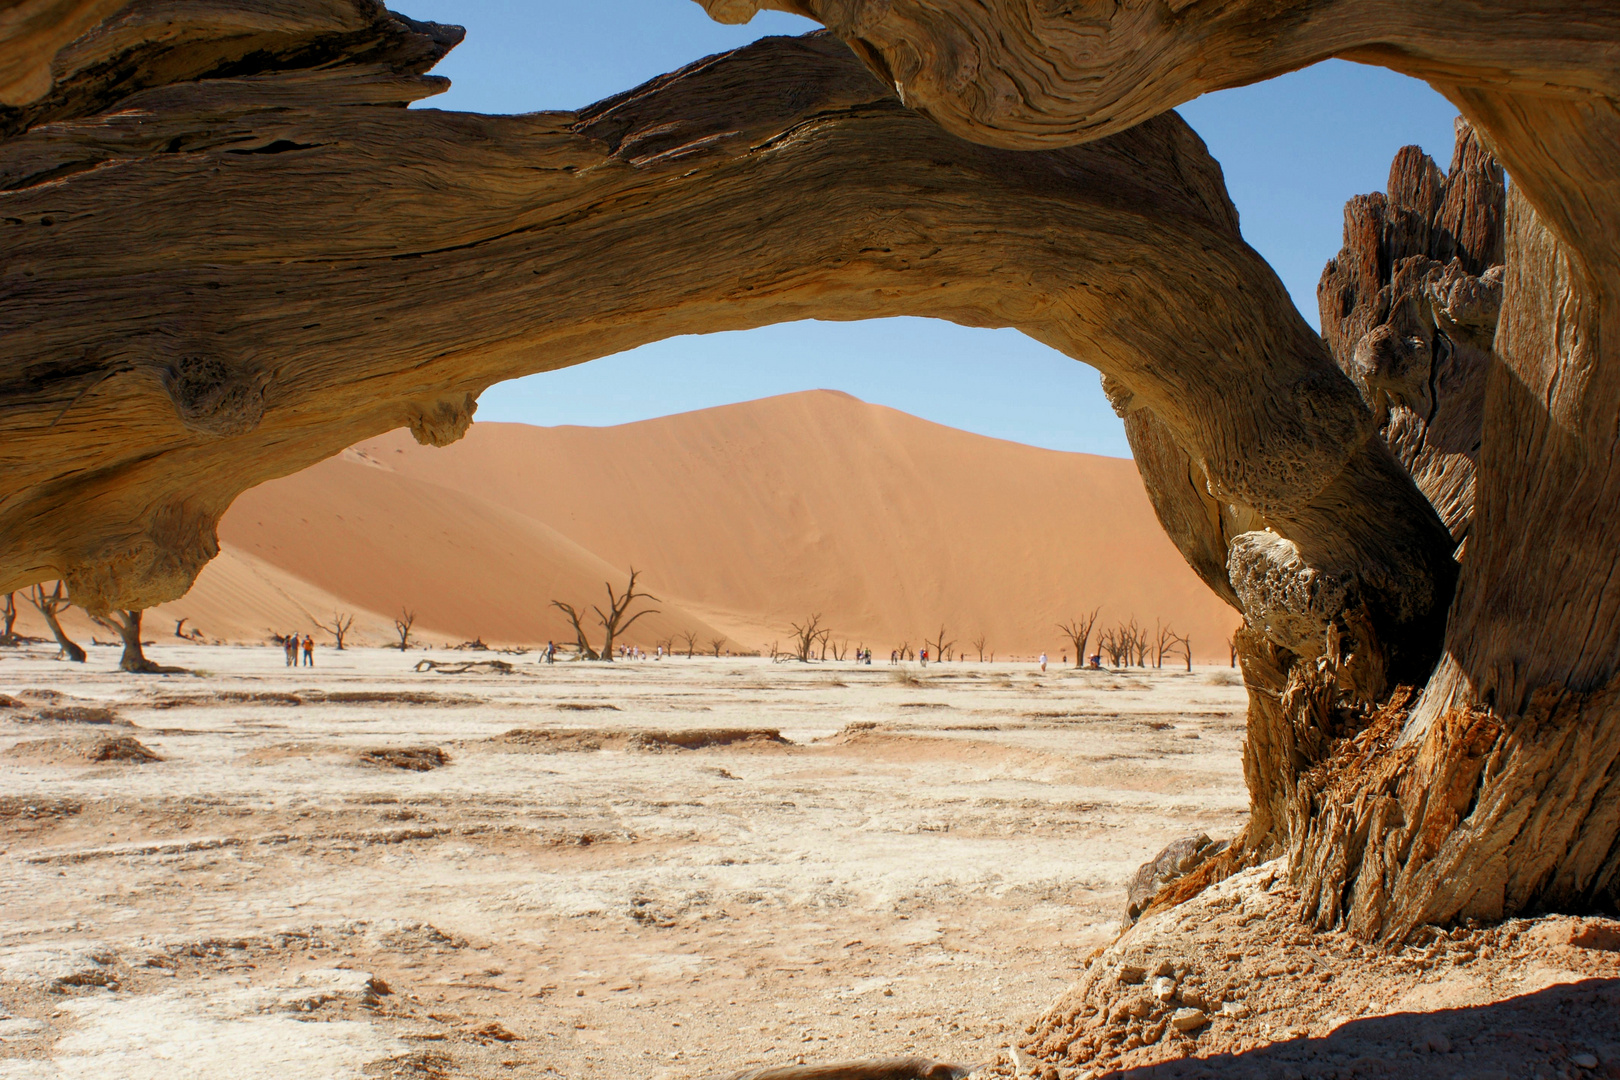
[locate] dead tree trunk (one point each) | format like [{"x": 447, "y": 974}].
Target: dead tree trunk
[
  {"x": 806, "y": 634},
  {"x": 402, "y": 626},
  {"x": 1078, "y": 631},
  {"x": 1493, "y": 791},
  {"x": 49, "y": 603},
  {"x": 161, "y": 196},
  {"x": 127, "y": 625},
  {"x": 8, "y": 619},
  {"x": 614, "y": 621},
  {"x": 338, "y": 627}
]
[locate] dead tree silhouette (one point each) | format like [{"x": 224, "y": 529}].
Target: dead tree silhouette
[
  {"x": 1078, "y": 631},
  {"x": 49, "y": 604},
  {"x": 806, "y": 636},
  {"x": 402, "y": 626},
  {"x": 338, "y": 627},
  {"x": 614, "y": 621},
  {"x": 126, "y": 623}
]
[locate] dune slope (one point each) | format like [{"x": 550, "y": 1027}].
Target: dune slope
[{"x": 744, "y": 518}]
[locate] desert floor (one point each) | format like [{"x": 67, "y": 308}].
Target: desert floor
[{"x": 659, "y": 869}]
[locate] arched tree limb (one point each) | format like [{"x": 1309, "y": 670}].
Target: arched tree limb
[{"x": 774, "y": 183}]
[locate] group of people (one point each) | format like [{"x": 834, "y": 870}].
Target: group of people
[{"x": 292, "y": 643}]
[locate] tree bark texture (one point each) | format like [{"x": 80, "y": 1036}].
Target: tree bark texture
[
  {"x": 223, "y": 280},
  {"x": 1496, "y": 787},
  {"x": 228, "y": 253}
]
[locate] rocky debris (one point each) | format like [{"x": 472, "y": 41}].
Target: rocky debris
[
  {"x": 916, "y": 1068},
  {"x": 314, "y": 988},
  {"x": 35, "y": 807},
  {"x": 1233, "y": 977},
  {"x": 1175, "y": 862},
  {"x": 408, "y": 758},
  {"x": 584, "y": 740},
  {"x": 75, "y": 714},
  {"x": 100, "y": 749}
]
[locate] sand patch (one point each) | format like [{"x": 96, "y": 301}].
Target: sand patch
[{"x": 101, "y": 749}]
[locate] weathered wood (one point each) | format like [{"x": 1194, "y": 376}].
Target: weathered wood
[
  {"x": 1533, "y": 640},
  {"x": 225, "y": 280}
]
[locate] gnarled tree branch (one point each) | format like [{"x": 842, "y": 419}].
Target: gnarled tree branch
[{"x": 225, "y": 280}]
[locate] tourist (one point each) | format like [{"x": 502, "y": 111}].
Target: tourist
[
  {"x": 1043, "y": 661},
  {"x": 309, "y": 650}
]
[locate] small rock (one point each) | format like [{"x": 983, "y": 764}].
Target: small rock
[
  {"x": 1234, "y": 1009},
  {"x": 1432, "y": 1042},
  {"x": 1130, "y": 974},
  {"x": 1023, "y": 1064},
  {"x": 1188, "y": 1019},
  {"x": 1194, "y": 999},
  {"x": 1164, "y": 988},
  {"x": 1164, "y": 969},
  {"x": 1585, "y": 1061}
]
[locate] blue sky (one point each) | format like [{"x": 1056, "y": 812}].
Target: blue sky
[{"x": 1293, "y": 150}]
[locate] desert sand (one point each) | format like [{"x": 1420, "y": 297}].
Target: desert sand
[
  {"x": 687, "y": 868},
  {"x": 743, "y": 519},
  {"x": 871, "y": 861}
]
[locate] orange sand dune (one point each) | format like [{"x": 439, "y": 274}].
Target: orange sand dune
[
  {"x": 743, "y": 519},
  {"x": 385, "y": 542}
]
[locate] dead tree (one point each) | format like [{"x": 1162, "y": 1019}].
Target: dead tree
[
  {"x": 49, "y": 605},
  {"x": 339, "y": 626},
  {"x": 617, "y": 618},
  {"x": 1113, "y": 645},
  {"x": 1232, "y": 648},
  {"x": 715, "y": 645},
  {"x": 978, "y": 646},
  {"x": 1078, "y": 631},
  {"x": 1139, "y": 644},
  {"x": 8, "y": 619},
  {"x": 402, "y": 626},
  {"x": 582, "y": 647},
  {"x": 1186, "y": 649},
  {"x": 690, "y": 637},
  {"x": 939, "y": 646},
  {"x": 1316, "y": 482},
  {"x": 127, "y": 625},
  {"x": 1165, "y": 641},
  {"x": 806, "y": 635}
]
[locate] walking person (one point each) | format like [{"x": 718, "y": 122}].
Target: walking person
[
  {"x": 1043, "y": 661},
  {"x": 309, "y": 650},
  {"x": 289, "y": 645},
  {"x": 551, "y": 652}
]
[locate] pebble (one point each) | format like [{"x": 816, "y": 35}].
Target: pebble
[
  {"x": 1164, "y": 988},
  {"x": 1235, "y": 1009},
  {"x": 1585, "y": 1061},
  {"x": 1188, "y": 1019},
  {"x": 1130, "y": 974}
]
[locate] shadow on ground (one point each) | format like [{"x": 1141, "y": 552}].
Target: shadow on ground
[{"x": 1560, "y": 1033}]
